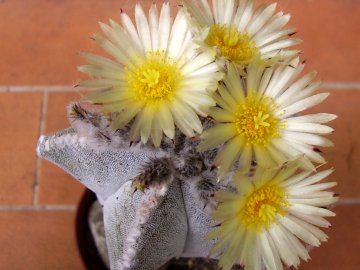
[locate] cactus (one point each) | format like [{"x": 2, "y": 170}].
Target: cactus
[{"x": 144, "y": 228}]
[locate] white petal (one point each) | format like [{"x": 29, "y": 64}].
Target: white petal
[
  {"x": 265, "y": 79},
  {"x": 112, "y": 50},
  {"x": 253, "y": 258},
  {"x": 130, "y": 29},
  {"x": 281, "y": 44},
  {"x": 185, "y": 118},
  {"x": 307, "y": 138},
  {"x": 177, "y": 36},
  {"x": 298, "y": 230},
  {"x": 146, "y": 123},
  {"x": 234, "y": 84},
  {"x": 306, "y": 92},
  {"x": 314, "y": 178},
  {"x": 315, "y": 220},
  {"x": 188, "y": 46},
  {"x": 245, "y": 159},
  {"x": 156, "y": 131},
  {"x": 310, "y": 210},
  {"x": 319, "y": 194},
  {"x": 216, "y": 10},
  {"x": 276, "y": 155},
  {"x": 302, "y": 105},
  {"x": 199, "y": 61},
  {"x": 226, "y": 96},
  {"x": 246, "y": 16},
  {"x": 276, "y": 75},
  {"x": 199, "y": 102},
  {"x": 124, "y": 117},
  {"x": 263, "y": 158},
  {"x": 297, "y": 191},
  {"x": 102, "y": 83},
  {"x": 261, "y": 19},
  {"x": 211, "y": 138},
  {"x": 295, "y": 243},
  {"x": 319, "y": 202},
  {"x": 276, "y": 22},
  {"x": 154, "y": 27},
  {"x": 200, "y": 11},
  {"x": 282, "y": 54},
  {"x": 164, "y": 26},
  {"x": 221, "y": 102},
  {"x": 295, "y": 89},
  {"x": 100, "y": 71},
  {"x": 221, "y": 115},
  {"x": 319, "y": 118},
  {"x": 272, "y": 37},
  {"x": 307, "y": 127},
  {"x": 295, "y": 179},
  {"x": 229, "y": 155},
  {"x": 287, "y": 74},
  {"x": 119, "y": 36},
  {"x": 319, "y": 234},
  {"x": 270, "y": 256},
  {"x": 239, "y": 11},
  {"x": 207, "y": 70},
  {"x": 306, "y": 149},
  {"x": 286, "y": 148},
  {"x": 228, "y": 12},
  {"x": 286, "y": 252},
  {"x": 101, "y": 61},
  {"x": 143, "y": 27},
  {"x": 255, "y": 71},
  {"x": 166, "y": 121}
]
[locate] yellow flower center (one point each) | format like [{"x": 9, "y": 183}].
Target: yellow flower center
[
  {"x": 255, "y": 120},
  {"x": 232, "y": 44},
  {"x": 156, "y": 79},
  {"x": 263, "y": 206}
]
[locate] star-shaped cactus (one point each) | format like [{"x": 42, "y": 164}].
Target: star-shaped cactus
[{"x": 144, "y": 229}]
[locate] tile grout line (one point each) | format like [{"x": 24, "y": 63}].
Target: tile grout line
[
  {"x": 73, "y": 207},
  {"x": 348, "y": 201},
  {"x": 37, "y": 88},
  {"x": 71, "y": 88},
  {"x": 341, "y": 85},
  {"x": 35, "y": 198},
  {"x": 37, "y": 208}
]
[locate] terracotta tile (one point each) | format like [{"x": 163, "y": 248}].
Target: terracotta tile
[
  {"x": 342, "y": 249},
  {"x": 345, "y": 156},
  {"x": 38, "y": 240},
  {"x": 56, "y": 112},
  {"x": 20, "y": 118},
  {"x": 51, "y": 33},
  {"x": 56, "y": 186},
  {"x": 328, "y": 30}
]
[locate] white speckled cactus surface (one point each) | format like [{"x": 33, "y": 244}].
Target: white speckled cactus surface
[
  {"x": 143, "y": 230},
  {"x": 193, "y": 138}
]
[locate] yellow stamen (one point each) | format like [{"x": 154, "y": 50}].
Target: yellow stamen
[
  {"x": 255, "y": 120},
  {"x": 156, "y": 79},
  {"x": 232, "y": 44},
  {"x": 263, "y": 206}
]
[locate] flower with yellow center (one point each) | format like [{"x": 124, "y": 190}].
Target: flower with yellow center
[
  {"x": 157, "y": 80},
  {"x": 255, "y": 117},
  {"x": 231, "y": 44},
  {"x": 239, "y": 31},
  {"x": 266, "y": 223}
]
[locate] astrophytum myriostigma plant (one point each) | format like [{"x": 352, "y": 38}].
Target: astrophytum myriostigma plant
[{"x": 235, "y": 176}]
